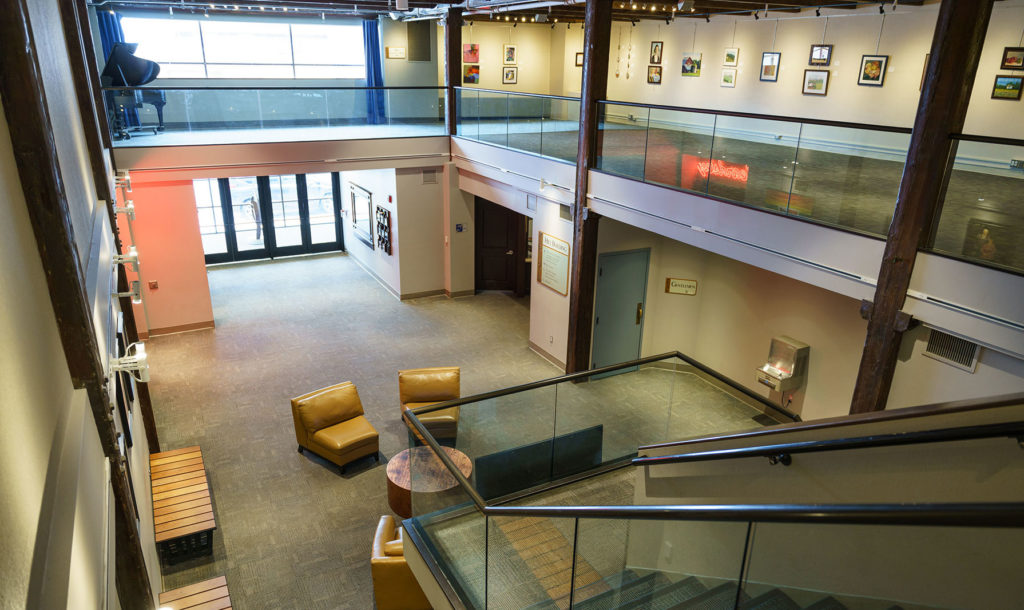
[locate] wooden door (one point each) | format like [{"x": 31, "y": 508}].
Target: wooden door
[{"x": 497, "y": 246}]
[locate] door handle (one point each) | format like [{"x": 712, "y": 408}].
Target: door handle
[
  {"x": 510, "y": 253},
  {"x": 639, "y": 312}
]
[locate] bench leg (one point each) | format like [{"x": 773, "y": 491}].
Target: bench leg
[{"x": 300, "y": 448}]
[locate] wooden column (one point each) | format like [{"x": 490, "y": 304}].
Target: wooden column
[
  {"x": 452, "y": 66},
  {"x": 35, "y": 153},
  {"x": 594, "y": 87},
  {"x": 956, "y": 48}
]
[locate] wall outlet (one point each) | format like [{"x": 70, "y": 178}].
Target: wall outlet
[
  {"x": 1016, "y": 163},
  {"x": 153, "y": 285}
]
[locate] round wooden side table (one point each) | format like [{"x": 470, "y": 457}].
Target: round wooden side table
[{"x": 419, "y": 470}]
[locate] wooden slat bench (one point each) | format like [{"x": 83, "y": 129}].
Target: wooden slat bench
[
  {"x": 182, "y": 511},
  {"x": 207, "y": 595}
]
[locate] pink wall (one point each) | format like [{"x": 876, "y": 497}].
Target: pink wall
[{"x": 171, "y": 254}]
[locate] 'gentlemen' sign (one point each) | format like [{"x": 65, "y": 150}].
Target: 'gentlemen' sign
[{"x": 674, "y": 285}]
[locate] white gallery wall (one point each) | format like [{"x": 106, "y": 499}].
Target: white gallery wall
[{"x": 905, "y": 36}]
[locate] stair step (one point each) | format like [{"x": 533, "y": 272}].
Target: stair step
[
  {"x": 772, "y": 600},
  {"x": 828, "y": 603},
  {"x": 627, "y": 593},
  {"x": 668, "y": 596},
  {"x": 721, "y": 597}
]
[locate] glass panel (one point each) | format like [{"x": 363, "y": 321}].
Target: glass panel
[
  {"x": 848, "y": 177},
  {"x": 612, "y": 416},
  {"x": 320, "y": 196},
  {"x": 622, "y": 139},
  {"x": 561, "y": 129},
  {"x": 493, "y": 113},
  {"x": 468, "y": 113},
  {"x": 508, "y": 440},
  {"x": 529, "y": 561},
  {"x": 678, "y": 147},
  {"x": 443, "y": 512},
  {"x": 525, "y": 114},
  {"x": 752, "y": 161},
  {"x": 284, "y": 198},
  {"x": 419, "y": 111},
  {"x": 982, "y": 219},
  {"x": 246, "y": 42},
  {"x": 211, "y": 216},
  {"x": 867, "y": 567},
  {"x": 657, "y": 564},
  {"x": 245, "y": 209},
  {"x": 328, "y": 44}
]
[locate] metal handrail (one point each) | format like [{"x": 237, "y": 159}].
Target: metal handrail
[
  {"x": 607, "y": 369},
  {"x": 768, "y": 117},
  {"x": 779, "y": 450},
  {"x": 519, "y": 94},
  {"x": 264, "y": 88},
  {"x": 992, "y": 514},
  {"x": 988, "y": 139}
]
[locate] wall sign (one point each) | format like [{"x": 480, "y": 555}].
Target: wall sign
[
  {"x": 674, "y": 285},
  {"x": 394, "y": 52},
  {"x": 553, "y": 266}
]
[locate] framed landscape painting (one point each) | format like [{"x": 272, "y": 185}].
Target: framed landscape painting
[
  {"x": 872, "y": 70},
  {"x": 821, "y": 55},
  {"x": 816, "y": 82},
  {"x": 1007, "y": 87},
  {"x": 770, "y": 66},
  {"x": 731, "y": 57},
  {"x": 728, "y": 77},
  {"x": 691, "y": 63}
]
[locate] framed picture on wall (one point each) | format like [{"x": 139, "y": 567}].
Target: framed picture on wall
[
  {"x": 691, "y": 63},
  {"x": 821, "y": 55},
  {"x": 1007, "y": 87},
  {"x": 924, "y": 70},
  {"x": 1013, "y": 58},
  {"x": 471, "y": 53},
  {"x": 816, "y": 82},
  {"x": 508, "y": 55},
  {"x": 656, "y": 48},
  {"x": 989, "y": 241},
  {"x": 654, "y": 75},
  {"x": 872, "y": 70},
  {"x": 731, "y": 57},
  {"x": 361, "y": 213},
  {"x": 470, "y": 75},
  {"x": 579, "y": 60},
  {"x": 728, "y": 77},
  {"x": 770, "y": 66},
  {"x": 509, "y": 76}
]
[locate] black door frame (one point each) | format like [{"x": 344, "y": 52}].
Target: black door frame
[{"x": 270, "y": 249}]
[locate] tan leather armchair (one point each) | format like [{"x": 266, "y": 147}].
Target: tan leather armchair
[
  {"x": 394, "y": 586},
  {"x": 330, "y": 423},
  {"x": 421, "y": 387}
]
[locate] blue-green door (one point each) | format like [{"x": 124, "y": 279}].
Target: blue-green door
[{"x": 619, "y": 306}]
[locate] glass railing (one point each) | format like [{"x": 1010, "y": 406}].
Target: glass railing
[
  {"x": 147, "y": 116},
  {"x": 982, "y": 219},
  {"x": 546, "y": 125},
  {"x": 838, "y": 174}
]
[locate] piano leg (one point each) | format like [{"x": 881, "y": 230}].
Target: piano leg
[{"x": 160, "y": 115}]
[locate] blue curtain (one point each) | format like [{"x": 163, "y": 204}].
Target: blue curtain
[
  {"x": 112, "y": 33},
  {"x": 376, "y": 112}
]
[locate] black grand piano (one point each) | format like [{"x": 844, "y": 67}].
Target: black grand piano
[{"x": 124, "y": 69}]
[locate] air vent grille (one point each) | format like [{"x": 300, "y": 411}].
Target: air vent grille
[
  {"x": 952, "y": 350},
  {"x": 430, "y": 176}
]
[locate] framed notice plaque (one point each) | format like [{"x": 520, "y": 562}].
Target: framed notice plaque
[
  {"x": 553, "y": 263},
  {"x": 675, "y": 285}
]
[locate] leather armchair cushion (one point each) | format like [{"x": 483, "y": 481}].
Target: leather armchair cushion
[
  {"x": 443, "y": 416},
  {"x": 394, "y": 586},
  {"x": 430, "y": 385},
  {"x": 346, "y": 435},
  {"x": 332, "y": 405}
]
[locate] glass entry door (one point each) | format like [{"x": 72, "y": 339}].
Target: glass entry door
[{"x": 268, "y": 216}]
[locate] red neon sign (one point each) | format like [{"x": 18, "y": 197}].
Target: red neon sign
[{"x": 693, "y": 166}]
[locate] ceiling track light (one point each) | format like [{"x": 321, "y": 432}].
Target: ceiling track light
[
  {"x": 756, "y": 16},
  {"x": 134, "y": 361},
  {"x": 135, "y": 292},
  {"x": 817, "y": 12},
  {"x": 881, "y": 8},
  {"x": 128, "y": 210},
  {"x": 707, "y": 17}
]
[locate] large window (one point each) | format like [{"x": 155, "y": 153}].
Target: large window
[{"x": 210, "y": 48}]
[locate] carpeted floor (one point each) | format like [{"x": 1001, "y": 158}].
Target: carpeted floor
[{"x": 293, "y": 532}]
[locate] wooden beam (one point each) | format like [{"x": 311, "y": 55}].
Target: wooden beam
[
  {"x": 594, "y": 87},
  {"x": 949, "y": 79},
  {"x": 35, "y": 153},
  {"x": 452, "y": 67}
]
